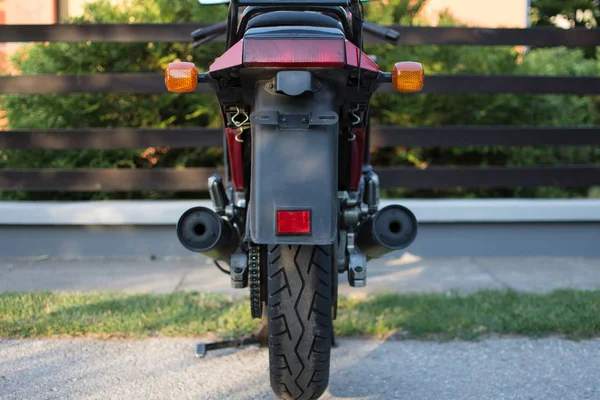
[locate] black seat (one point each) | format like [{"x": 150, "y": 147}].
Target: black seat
[{"x": 293, "y": 18}]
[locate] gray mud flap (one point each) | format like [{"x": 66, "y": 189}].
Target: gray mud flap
[{"x": 294, "y": 165}]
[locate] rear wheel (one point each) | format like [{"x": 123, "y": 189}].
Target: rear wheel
[{"x": 299, "y": 304}]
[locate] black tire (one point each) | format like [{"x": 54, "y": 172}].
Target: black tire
[{"x": 300, "y": 319}]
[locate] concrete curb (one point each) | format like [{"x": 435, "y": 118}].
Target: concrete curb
[{"x": 140, "y": 213}]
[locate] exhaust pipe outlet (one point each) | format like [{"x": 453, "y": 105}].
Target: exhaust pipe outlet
[
  {"x": 202, "y": 231},
  {"x": 391, "y": 228}
]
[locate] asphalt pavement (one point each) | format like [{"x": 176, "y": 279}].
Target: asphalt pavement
[{"x": 166, "y": 369}]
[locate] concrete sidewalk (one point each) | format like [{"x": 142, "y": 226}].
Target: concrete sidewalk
[{"x": 402, "y": 274}]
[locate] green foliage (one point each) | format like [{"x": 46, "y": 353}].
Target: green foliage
[
  {"x": 170, "y": 110},
  {"x": 567, "y": 13},
  {"x": 394, "y": 11},
  {"x": 501, "y": 109},
  {"x": 114, "y": 110},
  {"x": 544, "y": 12}
]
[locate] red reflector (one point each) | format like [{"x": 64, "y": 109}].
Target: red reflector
[
  {"x": 294, "y": 53},
  {"x": 293, "y": 222}
]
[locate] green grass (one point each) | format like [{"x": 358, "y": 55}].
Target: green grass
[{"x": 570, "y": 313}]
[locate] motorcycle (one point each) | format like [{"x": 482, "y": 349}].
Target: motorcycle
[{"x": 300, "y": 201}]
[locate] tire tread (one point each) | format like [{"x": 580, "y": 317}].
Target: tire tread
[{"x": 299, "y": 361}]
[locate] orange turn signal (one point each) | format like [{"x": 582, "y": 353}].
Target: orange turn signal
[
  {"x": 408, "y": 77},
  {"x": 181, "y": 77}
]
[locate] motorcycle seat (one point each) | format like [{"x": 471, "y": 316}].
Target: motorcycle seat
[{"x": 293, "y": 18}]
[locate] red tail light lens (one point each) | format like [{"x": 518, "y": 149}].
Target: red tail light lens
[
  {"x": 294, "y": 53},
  {"x": 293, "y": 222}
]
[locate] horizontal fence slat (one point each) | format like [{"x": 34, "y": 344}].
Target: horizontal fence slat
[
  {"x": 465, "y": 136},
  {"x": 133, "y": 83},
  {"x": 115, "y": 138},
  {"x": 434, "y": 84},
  {"x": 571, "y": 176},
  {"x": 195, "y": 179},
  {"x": 496, "y": 84},
  {"x": 106, "y": 180},
  {"x": 542, "y": 36},
  {"x": 409, "y": 35},
  {"x": 381, "y": 136},
  {"x": 107, "y": 33}
]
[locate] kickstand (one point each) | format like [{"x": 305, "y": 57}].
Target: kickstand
[{"x": 258, "y": 336}]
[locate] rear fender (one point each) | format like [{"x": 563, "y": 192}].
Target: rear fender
[{"x": 294, "y": 163}]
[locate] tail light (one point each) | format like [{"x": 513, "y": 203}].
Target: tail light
[{"x": 294, "y": 53}]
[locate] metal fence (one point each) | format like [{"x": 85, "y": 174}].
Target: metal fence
[{"x": 194, "y": 179}]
